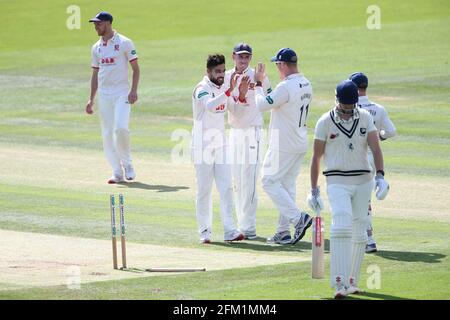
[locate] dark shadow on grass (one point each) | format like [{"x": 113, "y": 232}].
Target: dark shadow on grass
[
  {"x": 158, "y": 188},
  {"x": 367, "y": 295},
  {"x": 259, "y": 244},
  {"x": 427, "y": 257}
]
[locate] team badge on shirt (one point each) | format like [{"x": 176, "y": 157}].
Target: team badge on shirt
[
  {"x": 334, "y": 136},
  {"x": 116, "y": 47},
  {"x": 362, "y": 131}
]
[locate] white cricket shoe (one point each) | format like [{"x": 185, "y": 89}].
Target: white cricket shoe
[
  {"x": 237, "y": 236},
  {"x": 115, "y": 179},
  {"x": 129, "y": 172},
  {"x": 341, "y": 290},
  {"x": 205, "y": 236},
  {"x": 353, "y": 288}
]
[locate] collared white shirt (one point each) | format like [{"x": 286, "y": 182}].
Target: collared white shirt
[
  {"x": 243, "y": 115},
  {"x": 346, "y": 144},
  {"x": 209, "y": 104},
  {"x": 289, "y": 103},
  {"x": 112, "y": 58},
  {"x": 386, "y": 128}
]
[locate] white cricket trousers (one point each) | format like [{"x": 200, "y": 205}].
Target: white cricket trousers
[
  {"x": 214, "y": 169},
  {"x": 279, "y": 174},
  {"x": 115, "y": 118},
  {"x": 246, "y": 154},
  {"x": 348, "y": 234}
]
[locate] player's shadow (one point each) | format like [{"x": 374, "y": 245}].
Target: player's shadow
[
  {"x": 371, "y": 295},
  {"x": 157, "y": 187},
  {"x": 259, "y": 244},
  {"x": 406, "y": 256}
]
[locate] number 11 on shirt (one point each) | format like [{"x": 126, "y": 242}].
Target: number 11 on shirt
[{"x": 302, "y": 121}]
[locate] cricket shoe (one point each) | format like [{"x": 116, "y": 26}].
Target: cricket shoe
[
  {"x": 205, "y": 236},
  {"x": 353, "y": 287},
  {"x": 115, "y": 179},
  {"x": 236, "y": 237},
  {"x": 304, "y": 223},
  {"x": 129, "y": 172},
  {"x": 341, "y": 291},
  {"x": 250, "y": 236},
  {"x": 280, "y": 238},
  {"x": 371, "y": 248}
]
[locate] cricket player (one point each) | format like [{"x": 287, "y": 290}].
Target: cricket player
[
  {"x": 289, "y": 104},
  {"x": 209, "y": 145},
  {"x": 246, "y": 143},
  {"x": 386, "y": 129},
  {"x": 110, "y": 57},
  {"x": 342, "y": 136}
]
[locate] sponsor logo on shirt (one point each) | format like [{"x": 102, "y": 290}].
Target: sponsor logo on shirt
[
  {"x": 220, "y": 108},
  {"x": 108, "y": 61},
  {"x": 201, "y": 94},
  {"x": 133, "y": 51}
]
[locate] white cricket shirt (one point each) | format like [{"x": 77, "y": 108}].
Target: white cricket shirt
[
  {"x": 384, "y": 125},
  {"x": 243, "y": 115},
  {"x": 289, "y": 103},
  {"x": 346, "y": 146},
  {"x": 112, "y": 58},
  {"x": 209, "y": 103}
]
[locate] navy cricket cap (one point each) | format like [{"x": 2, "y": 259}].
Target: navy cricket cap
[
  {"x": 102, "y": 16},
  {"x": 285, "y": 55},
  {"x": 242, "y": 48},
  {"x": 360, "y": 79},
  {"x": 347, "y": 92}
]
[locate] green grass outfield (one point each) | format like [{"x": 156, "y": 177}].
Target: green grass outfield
[{"x": 52, "y": 174}]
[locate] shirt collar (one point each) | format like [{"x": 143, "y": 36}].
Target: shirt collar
[
  {"x": 212, "y": 84},
  {"x": 338, "y": 119},
  {"x": 112, "y": 40},
  {"x": 363, "y": 100},
  {"x": 294, "y": 75}
]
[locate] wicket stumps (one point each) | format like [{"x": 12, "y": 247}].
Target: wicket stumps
[{"x": 112, "y": 203}]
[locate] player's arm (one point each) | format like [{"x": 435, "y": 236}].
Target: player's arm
[
  {"x": 381, "y": 185},
  {"x": 94, "y": 87},
  {"x": 318, "y": 151},
  {"x": 216, "y": 104},
  {"x": 275, "y": 99},
  {"x": 131, "y": 55},
  {"x": 374, "y": 144},
  {"x": 132, "y": 96},
  {"x": 387, "y": 129}
]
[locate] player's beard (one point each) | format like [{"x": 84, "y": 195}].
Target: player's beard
[{"x": 218, "y": 81}]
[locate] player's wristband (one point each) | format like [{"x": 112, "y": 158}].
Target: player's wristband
[
  {"x": 258, "y": 83},
  {"x": 227, "y": 93},
  {"x": 380, "y": 172},
  {"x": 242, "y": 100}
]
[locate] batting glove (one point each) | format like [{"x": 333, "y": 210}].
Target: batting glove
[
  {"x": 381, "y": 187},
  {"x": 314, "y": 200}
]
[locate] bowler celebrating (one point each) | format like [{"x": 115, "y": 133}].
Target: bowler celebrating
[
  {"x": 110, "y": 57},
  {"x": 209, "y": 145}
]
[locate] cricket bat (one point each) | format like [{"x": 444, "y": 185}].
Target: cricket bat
[{"x": 318, "y": 265}]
